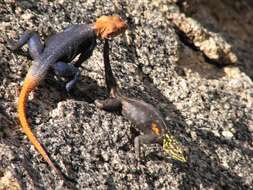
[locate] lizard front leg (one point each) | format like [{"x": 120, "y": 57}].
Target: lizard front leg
[
  {"x": 67, "y": 70},
  {"x": 86, "y": 54},
  {"x": 143, "y": 139}
]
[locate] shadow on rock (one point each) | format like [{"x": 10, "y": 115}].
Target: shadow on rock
[
  {"x": 205, "y": 169},
  {"x": 194, "y": 61}
]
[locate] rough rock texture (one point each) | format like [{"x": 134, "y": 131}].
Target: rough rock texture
[{"x": 191, "y": 59}]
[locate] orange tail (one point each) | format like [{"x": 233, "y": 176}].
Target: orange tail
[{"x": 29, "y": 84}]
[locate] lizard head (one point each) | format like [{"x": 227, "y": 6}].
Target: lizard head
[
  {"x": 109, "y": 26},
  {"x": 172, "y": 148}
]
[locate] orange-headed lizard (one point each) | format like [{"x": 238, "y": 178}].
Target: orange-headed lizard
[
  {"x": 146, "y": 118},
  {"x": 58, "y": 50}
]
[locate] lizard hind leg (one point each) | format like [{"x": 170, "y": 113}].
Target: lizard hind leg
[
  {"x": 35, "y": 46},
  {"x": 34, "y": 43}
]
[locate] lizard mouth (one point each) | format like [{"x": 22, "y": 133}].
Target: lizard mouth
[{"x": 117, "y": 32}]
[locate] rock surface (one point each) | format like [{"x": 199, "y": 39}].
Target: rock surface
[{"x": 191, "y": 59}]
